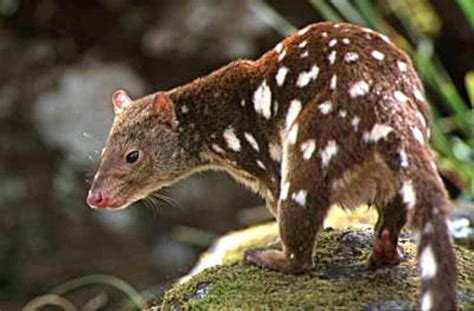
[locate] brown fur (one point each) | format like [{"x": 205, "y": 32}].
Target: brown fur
[{"x": 368, "y": 145}]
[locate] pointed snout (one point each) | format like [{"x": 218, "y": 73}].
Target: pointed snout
[{"x": 97, "y": 199}]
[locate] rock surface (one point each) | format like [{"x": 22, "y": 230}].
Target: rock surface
[{"x": 341, "y": 278}]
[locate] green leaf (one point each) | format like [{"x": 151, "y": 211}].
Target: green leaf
[
  {"x": 348, "y": 11},
  {"x": 470, "y": 86},
  {"x": 326, "y": 10},
  {"x": 467, "y": 6}
]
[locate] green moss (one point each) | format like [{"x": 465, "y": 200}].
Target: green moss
[{"x": 340, "y": 279}]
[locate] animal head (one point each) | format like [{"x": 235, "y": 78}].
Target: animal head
[{"x": 142, "y": 152}]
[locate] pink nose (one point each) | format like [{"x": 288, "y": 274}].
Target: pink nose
[{"x": 96, "y": 199}]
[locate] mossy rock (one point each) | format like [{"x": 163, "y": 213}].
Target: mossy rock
[{"x": 341, "y": 278}]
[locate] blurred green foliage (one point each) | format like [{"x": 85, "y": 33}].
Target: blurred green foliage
[{"x": 452, "y": 135}]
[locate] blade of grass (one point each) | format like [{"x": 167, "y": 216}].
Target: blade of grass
[
  {"x": 269, "y": 15},
  {"x": 400, "y": 9},
  {"x": 438, "y": 80},
  {"x": 367, "y": 10},
  {"x": 467, "y": 6},
  {"x": 326, "y": 10},
  {"x": 103, "y": 279},
  {"x": 349, "y": 12},
  {"x": 49, "y": 300},
  {"x": 469, "y": 80}
]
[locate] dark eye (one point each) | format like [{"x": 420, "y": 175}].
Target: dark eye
[{"x": 132, "y": 156}]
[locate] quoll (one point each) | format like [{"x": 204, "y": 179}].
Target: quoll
[{"x": 334, "y": 114}]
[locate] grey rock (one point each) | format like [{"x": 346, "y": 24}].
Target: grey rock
[{"x": 77, "y": 115}]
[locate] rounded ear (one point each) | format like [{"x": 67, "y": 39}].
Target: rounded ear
[
  {"x": 164, "y": 107},
  {"x": 120, "y": 101}
]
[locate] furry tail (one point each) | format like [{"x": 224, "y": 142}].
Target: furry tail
[{"x": 436, "y": 256}]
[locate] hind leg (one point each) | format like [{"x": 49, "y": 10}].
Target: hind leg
[{"x": 392, "y": 218}]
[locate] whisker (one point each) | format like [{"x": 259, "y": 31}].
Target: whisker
[
  {"x": 161, "y": 197},
  {"x": 152, "y": 204}
]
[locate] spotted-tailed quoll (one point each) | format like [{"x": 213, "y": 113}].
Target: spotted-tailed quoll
[{"x": 334, "y": 114}]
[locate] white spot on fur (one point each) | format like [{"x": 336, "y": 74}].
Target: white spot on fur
[
  {"x": 293, "y": 112},
  {"x": 262, "y": 100},
  {"x": 281, "y": 75},
  {"x": 418, "y": 135},
  {"x": 231, "y": 139},
  {"x": 429, "y": 229},
  {"x": 384, "y": 38},
  {"x": 402, "y": 66},
  {"x": 303, "y": 31},
  {"x": 184, "y": 109},
  {"x": 421, "y": 119},
  {"x": 306, "y": 77},
  {"x": 426, "y": 302},
  {"x": 343, "y": 113},
  {"x": 351, "y": 57},
  {"x": 307, "y": 148},
  {"x": 303, "y": 44},
  {"x": 346, "y": 41},
  {"x": 324, "y": 34},
  {"x": 332, "y": 57},
  {"x": 275, "y": 108},
  {"x": 217, "y": 149},
  {"x": 252, "y": 141},
  {"x": 325, "y": 107},
  {"x": 285, "y": 188},
  {"x": 304, "y": 54},
  {"x": 418, "y": 95},
  {"x": 242, "y": 102},
  {"x": 378, "y": 55},
  {"x": 360, "y": 88},
  {"x": 403, "y": 158},
  {"x": 355, "y": 123},
  {"x": 332, "y": 43},
  {"x": 282, "y": 55},
  {"x": 293, "y": 134},
  {"x": 328, "y": 152},
  {"x": 400, "y": 96},
  {"x": 278, "y": 48},
  {"x": 378, "y": 132},
  {"x": 408, "y": 194},
  {"x": 300, "y": 197},
  {"x": 333, "y": 84},
  {"x": 275, "y": 152},
  {"x": 428, "y": 263},
  {"x": 261, "y": 165}
]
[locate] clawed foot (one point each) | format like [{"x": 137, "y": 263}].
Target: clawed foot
[
  {"x": 385, "y": 252},
  {"x": 275, "y": 260}
]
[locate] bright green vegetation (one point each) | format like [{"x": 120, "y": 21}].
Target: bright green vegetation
[{"x": 340, "y": 279}]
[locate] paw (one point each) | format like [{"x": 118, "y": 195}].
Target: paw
[
  {"x": 385, "y": 252},
  {"x": 275, "y": 260}
]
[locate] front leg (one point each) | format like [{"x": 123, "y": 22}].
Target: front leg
[
  {"x": 302, "y": 207},
  {"x": 298, "y": 226}
]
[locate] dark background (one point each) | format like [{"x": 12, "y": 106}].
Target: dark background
[{"x": 59, "y": 63}]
